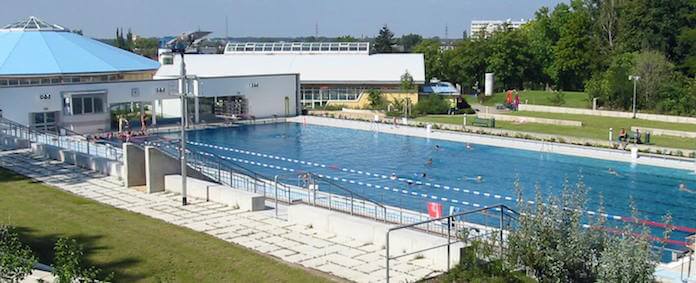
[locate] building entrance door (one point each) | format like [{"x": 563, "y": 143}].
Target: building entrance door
[{"x": 45, "y": 121}]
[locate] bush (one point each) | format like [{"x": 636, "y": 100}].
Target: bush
[
  {"x": 431, "y": 104},
  {"x": 375, "y": 98},
  {"x": 558, "y": 98},
  {"x": 16, "y": 259},
  {"x": 552, "y": 243},
  {"x": 69, "y": 265}
]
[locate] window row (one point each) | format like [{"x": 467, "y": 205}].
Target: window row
[
  {"x": 5, "y": 82},
  {"x": 299, "y": 47},
  {"x": 84, "y": 104}
]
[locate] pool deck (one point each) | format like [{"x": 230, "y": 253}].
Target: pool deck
[
  {"x": 295, "y": 244},
  {"x": 507, "y": 142}
]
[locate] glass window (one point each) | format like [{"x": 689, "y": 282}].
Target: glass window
[
  {"x": 38, "y": 118},
  {"x": 13, "y": 82},
  {"x": 77, "y": 105},
  {"x": 51, "y": 117},
  {"x": 98, "y": 105},
  {"x": 3, "y": 82},
  {"x": 87, "y": 105},
  {"x": 168, "y": 60}
]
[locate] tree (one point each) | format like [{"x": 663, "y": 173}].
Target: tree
[
  {"x": 574, "y": 53},
  {"x": 655, "y": 74},
  {"x": 608, "y": 21},
  {"x": 509, "y": 58},
  {"x": 346, "y": 38},
  {"x": 409, "y": 41},
  {"x": 384, "y": 41},
  {"x": 16, "y": 259},
  {"x": 129, "y": 41},
  {"x": 433, "y": 58},
  {"x": 407, "y": 82},
  {"x": 69, "y": 265},
  {"x": 375, "y": 98}
]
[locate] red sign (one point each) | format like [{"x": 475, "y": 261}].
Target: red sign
[{"x": 435, "y": 209}]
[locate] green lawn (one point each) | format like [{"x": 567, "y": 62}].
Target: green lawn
[
  {"x": 572, "y": 99},
  {"x": 134, "y": 247},
  {"x": 594, "y": 127}
]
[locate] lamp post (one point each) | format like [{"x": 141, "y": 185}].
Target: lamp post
[
  {"x": 635, "y": 87},
  {"x": 179, "y": 45}
]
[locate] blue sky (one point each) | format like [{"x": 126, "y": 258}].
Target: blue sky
[{"x": 99, "y": 18}]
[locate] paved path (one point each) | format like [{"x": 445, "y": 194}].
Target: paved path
[{"x": 261, "y": 231}]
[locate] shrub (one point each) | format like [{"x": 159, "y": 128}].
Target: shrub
[
  {"x": 431, "y": 104},
  {"x": 558, "y": 98},
  {"x": 69, "y": 265},
  {"x": 16, "y": 259},
  {"x": 552, "y": 243},
  {"x": 375, "y": 98}
]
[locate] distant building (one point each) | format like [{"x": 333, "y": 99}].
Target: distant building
[
  {"x": 338, "y": 73},
  {"x": 487, "y": 27}
]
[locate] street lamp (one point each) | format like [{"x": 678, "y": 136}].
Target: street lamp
[
  {"x": 635, "y": 84},
  {"x": 179, "y": 45}
]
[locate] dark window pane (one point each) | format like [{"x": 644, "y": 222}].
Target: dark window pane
[
  {"x": 77, "y": 105},
  {"x": 98, "y": 105},
  {"x": 87, "y": 105}
]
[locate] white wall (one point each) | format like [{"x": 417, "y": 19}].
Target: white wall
[
  {"x": 266, "y": 97},
  {"x": 17, "y": 102},
  {"x": 265, "y": 94}
]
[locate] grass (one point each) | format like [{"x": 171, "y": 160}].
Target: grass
[
  {"x": 594, "y": 127},
  {"x": 572, "y": 98},
  {"x": 135, "y": 248}
]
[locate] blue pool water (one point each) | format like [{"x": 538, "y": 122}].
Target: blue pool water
[{"x": 451, "y": 176}]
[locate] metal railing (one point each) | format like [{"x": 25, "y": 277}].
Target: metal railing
[
  {"x": 304, "y": 187},
  {"x": 459, "y": 223},
  {"x": 62, "y": 138}
]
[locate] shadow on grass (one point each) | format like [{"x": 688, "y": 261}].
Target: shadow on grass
[{"x": 43, "y": 245}]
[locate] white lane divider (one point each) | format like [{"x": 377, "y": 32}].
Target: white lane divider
[
  {"x": 411, "y": 181},
  {"x": 608, "y": 216}
]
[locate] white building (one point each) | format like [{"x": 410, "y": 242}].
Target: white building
[
  {"x": 329, "y": 71},
  {"x": 487, "y": 27},
  {"x": 51, "y": 77}
]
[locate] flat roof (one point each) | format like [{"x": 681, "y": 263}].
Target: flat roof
[{"x": 313, "y": 69}]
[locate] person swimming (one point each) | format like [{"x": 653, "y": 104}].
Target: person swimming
[
  {"x": 393, "y": 177},
  {"x": 468, "y": 146},
  {"x": 437, "y": 147},
  {"x": 683, "y": 188},
  {"x": 477, "y": 179},
  {"x": 611, "y": 171}
]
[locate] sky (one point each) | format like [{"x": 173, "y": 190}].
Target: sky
[{"x": 270, "y": 18}]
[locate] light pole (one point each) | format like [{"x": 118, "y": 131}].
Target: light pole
[
  {"x": 635, "y": 88},
  {"x": 179, "y": 45}
]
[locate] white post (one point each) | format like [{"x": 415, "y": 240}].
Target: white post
[
  {"x": 183, "y": 88},
  {"x": 611, "y": 134},
  {"x": 154, "y": 112}
]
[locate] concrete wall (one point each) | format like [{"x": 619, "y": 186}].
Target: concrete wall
[
  {"x": 134, "y": 166},
  {"x": 17, "y": 102},
  {"x": 10, "y": 142},
  {"x": 519, "y": 119},
  {"x": 370, "y": 231},
  {"x": 363, "y": 100},
  {"x": 663, "y": 132},
  {"x": 617, "y": 114},
  {"x": 98, "y": 164},
  {"x": 214, "y": 192},
  {"x": 158, "y": 165}
]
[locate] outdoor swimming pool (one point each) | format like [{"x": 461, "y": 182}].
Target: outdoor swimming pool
[{"x": 364, "y": 161}]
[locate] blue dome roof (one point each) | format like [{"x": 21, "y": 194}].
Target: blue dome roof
[{"x": 32, "y": 47}]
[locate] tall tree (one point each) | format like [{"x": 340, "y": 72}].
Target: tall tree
[
  {"x": 384, "y": 41},
  {"x": 574, "y": 54},
  {"x": 408, "y": 41},
  {"x": 129, "y": 41},
  {"x": 655, "y": 75},
  {"x": 346, "y": 38},
  {"x": 432, "y": 56},
  {"x": 509, "y": 58}
]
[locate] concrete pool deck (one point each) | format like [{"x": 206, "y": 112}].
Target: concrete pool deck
[
  {"x": 507, "y": 142},
  {"x": 261, "y": 231}
]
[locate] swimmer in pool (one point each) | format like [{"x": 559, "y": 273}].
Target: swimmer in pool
[
  {"x": 437, "y": 147},
  {"x": 477, "y": 179},
  {"x": 683, "y": 188},
  {"x": 611, "y": 171},
  {"x": 468, "y": 146},
  {"x": 393, "y": 176}
]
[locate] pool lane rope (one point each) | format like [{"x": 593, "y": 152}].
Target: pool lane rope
[{"x": 403, "y": 191}]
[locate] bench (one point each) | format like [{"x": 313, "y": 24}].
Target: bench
[
  {"x": 644, "y": 137},
  {"x": 482, "y": 122}
]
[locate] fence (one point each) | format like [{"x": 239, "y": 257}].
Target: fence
[
  {"x": 460, "y": 230},
  {"x": 62, "y": 138}
]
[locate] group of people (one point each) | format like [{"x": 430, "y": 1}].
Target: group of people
[
  {"x": 512, "y": 102},
  {"x": 625, "y": 138}
]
